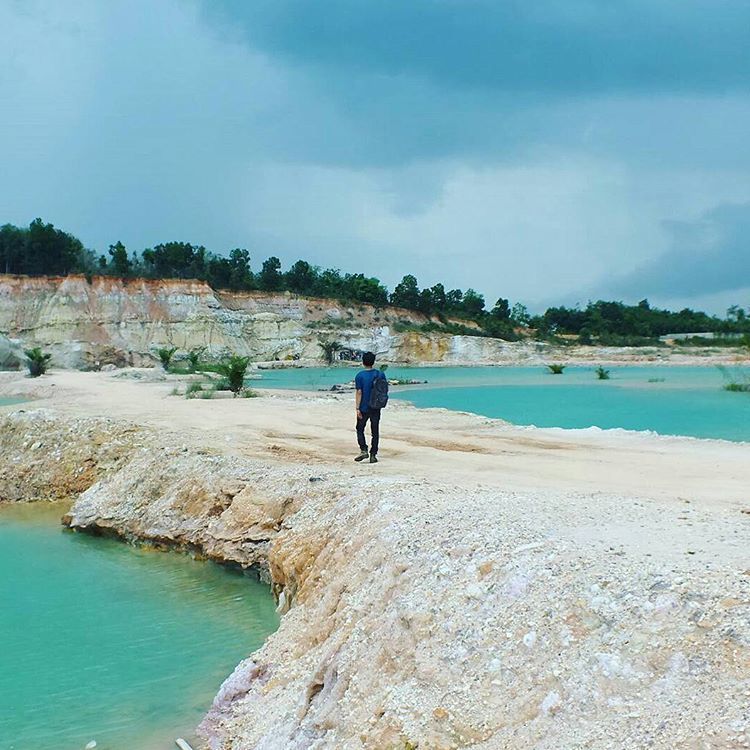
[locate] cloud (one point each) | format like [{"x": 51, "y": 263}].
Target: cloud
[
  {"x": 706, "y": 256},
  {"x": 549, "y": 46},
  {"x": 530, "y": 150}
]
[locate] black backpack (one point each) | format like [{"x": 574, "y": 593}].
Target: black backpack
[{"x": 379, "y": 392}]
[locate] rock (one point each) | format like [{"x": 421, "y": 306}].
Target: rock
[{"x": 11, "y": 354}]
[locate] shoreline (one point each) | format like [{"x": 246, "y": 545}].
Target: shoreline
[
  {"x": 485, "y": 585},
  {"x": 696, "y": 357}
]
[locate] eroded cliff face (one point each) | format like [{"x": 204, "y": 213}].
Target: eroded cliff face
[{"x": 105, "y": 320}]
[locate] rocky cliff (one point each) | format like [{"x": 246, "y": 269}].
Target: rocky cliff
[{"x": 86, "y": 323}]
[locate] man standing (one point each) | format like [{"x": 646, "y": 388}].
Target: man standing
[{"x": 365, "y": 410}]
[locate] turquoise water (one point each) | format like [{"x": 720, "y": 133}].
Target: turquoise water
[
  {"x": 8, "y": 401},
  {"x": 668, "y": 400},
  {"x": 102, "y": 641}
]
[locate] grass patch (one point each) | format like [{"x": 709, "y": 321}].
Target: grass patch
[
  {"x": 601, "y": 373},
  {"x": 556, "y": 369},
  {"x": 737, "y": 387},
  {"x": 193, "y": 389}
]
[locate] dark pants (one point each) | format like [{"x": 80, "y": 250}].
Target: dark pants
[{"x": 373, "y": 415}]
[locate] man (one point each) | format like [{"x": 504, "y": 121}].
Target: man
[{"x": 365, "y": 413}]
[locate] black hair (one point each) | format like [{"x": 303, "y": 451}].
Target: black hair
[{"x": 368, "y": 359}]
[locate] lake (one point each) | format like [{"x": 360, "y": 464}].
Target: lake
[
  {"x": 668, "y": 400},
  {"x": 103, "y": 641}
]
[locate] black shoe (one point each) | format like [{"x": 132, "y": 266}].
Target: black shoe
[
  {"x": 362, "y": 456},
  {"x": 373, "y": 458}
]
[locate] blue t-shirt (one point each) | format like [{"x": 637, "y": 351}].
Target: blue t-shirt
[{"x": 363, "y": 382}]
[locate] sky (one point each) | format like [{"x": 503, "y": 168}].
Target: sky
[{"x": 550, "y": 152}]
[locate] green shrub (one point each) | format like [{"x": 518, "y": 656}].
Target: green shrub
[
  {"x": 330, "y": 349},
  {"x": 37, "y": 361},
  {"x": 165, "y": 356},
  {"x": 194, "y": 357},
  {"x": 248, "y": 393},
  {"x": 737, "y": 387},
  {"x": 193, "y": 389},
  {"x": 233, "y": 370},
  {"x": 601, "y": 373},
  {"x": 556, "y": 369}
]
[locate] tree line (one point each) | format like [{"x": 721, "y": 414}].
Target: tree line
[{"x": 42, "y": 249}]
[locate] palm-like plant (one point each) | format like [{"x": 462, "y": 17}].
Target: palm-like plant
[
  {"x": 601, "y": 373},
  {"x": 556, "y": 369},
  {"x": 37, "y": 361},
  {"x": 165, "y": 355},
  {"x": 234, "y": 369},
  {"x": 194, "y": 356},
  {"x": 330, "y": 348}
]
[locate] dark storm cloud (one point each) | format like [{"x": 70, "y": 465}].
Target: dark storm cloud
[
  {"x": 706, "y": 256},
  {"x": 575, "y": 47},
  {"x": 402, "y": 82},
  {"x": 530, "y": 150}
]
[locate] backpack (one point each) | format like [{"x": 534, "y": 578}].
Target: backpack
[{"x": 379, "y": 392}]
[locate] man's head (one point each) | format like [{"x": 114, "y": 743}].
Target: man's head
[{"x": 368, "y": 359}]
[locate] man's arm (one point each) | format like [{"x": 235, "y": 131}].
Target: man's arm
[{"x": 357, "y": 402}]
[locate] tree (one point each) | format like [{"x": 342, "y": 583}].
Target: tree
[
  {"x": 501, "y": 310},
  {"x": 454, "y": 299},
  {"x": 438, "y": 297},
  {"x": 121, "y": 264},
  {"x": 426, "y": 303},
  {"x": 240, "y": 275},
  {"x": 330, "y": 349},
  {"x": 736, "y": 313},
  {"x": 473, "y": 303},
  {"x": 270, "y": 274},
  {"x": 301, "y": 277},
  {"x": 12, "y": 244},
  {"x": 520, "y": 315},
  {"x": 50, "y": 251},
  {"x": 361, "y": 288},
  {"x": 179, "y": 260},
  {"x": 406, "y": 293}
]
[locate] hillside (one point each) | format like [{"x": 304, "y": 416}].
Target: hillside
[
  {"x": 89, "y": 322},
  {"x": 106, "y": 320}
]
